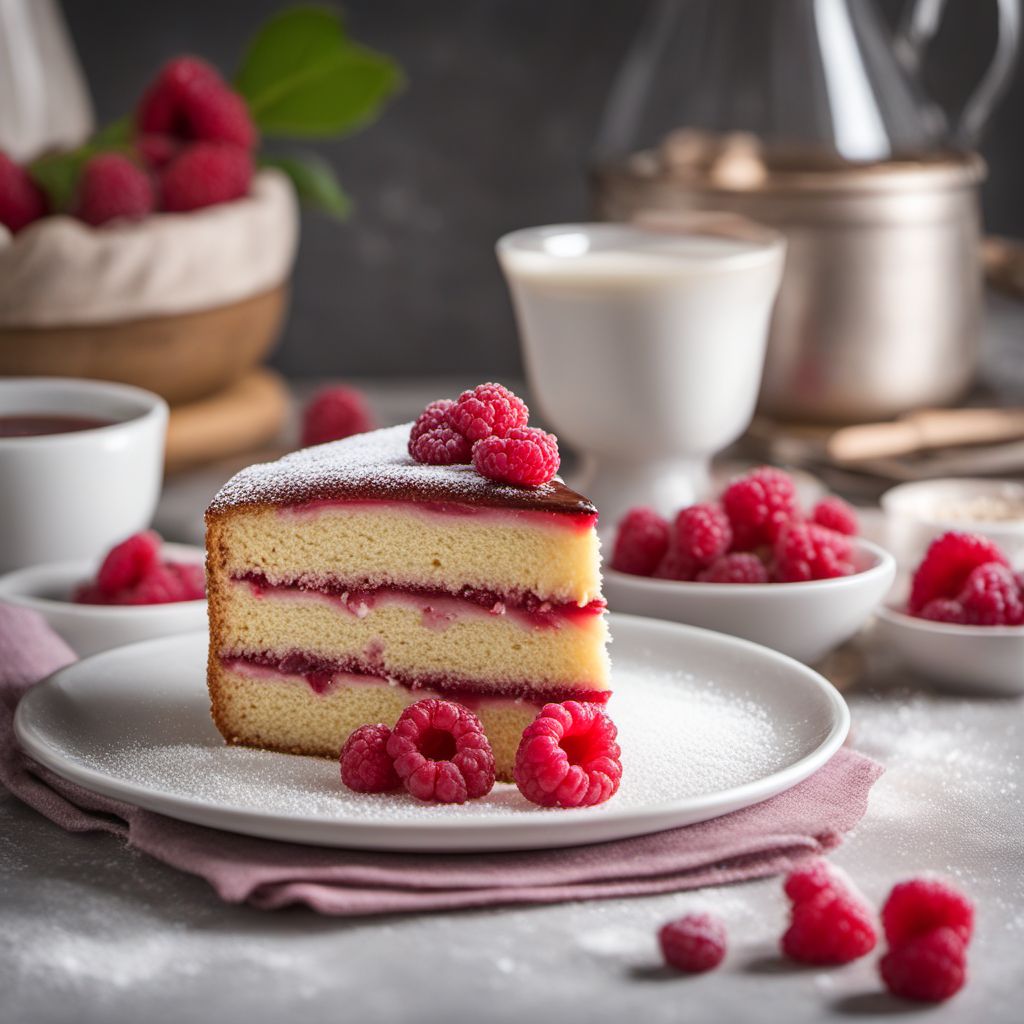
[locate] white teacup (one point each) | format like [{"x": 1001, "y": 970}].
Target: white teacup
[
  {"x": 74, "y": 494},
  {"x": 644, "y": 345}
]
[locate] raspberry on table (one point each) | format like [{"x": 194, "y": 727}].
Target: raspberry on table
[
  {"x": 929, "y": 968},
  {"x": 693, "y": 943},
  {"x": 204, "y": 174},
  {"x": 810, "y": 880},
  {"x": 833, "y": 927},
  {"x": 944, "y": 609},
  {"x": 568, "y": 756},
  {"x": 126, "y": 563},
  {"x": 112, "y": 187},
  {"x": 641, "y": 541},
  {"x": 190, "y": 101},
  {"x": 525, "y": 457},
  {"x": 806, "y": 551},
  {"x": 737, "y": 567},
  {"x": 334, "y": 413},
  {"x": 948, "y": 562},
  {"x": 758, "y": 506},
  {"x": 835, "y": 514},
  {"x": 489, "y": 410},
  {"x": 441, "y": 446},
  {"x": 21, "y": 200},
  {"x": 702, "y": 533},
  {"x": 991, "y": 597},
  {"x": 921, "y": 905},
  {"x": 440, "y": 752},
  {"x": 366, "y": 766}
]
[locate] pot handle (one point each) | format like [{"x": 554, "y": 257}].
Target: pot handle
[{"x": 920, "y": 23}]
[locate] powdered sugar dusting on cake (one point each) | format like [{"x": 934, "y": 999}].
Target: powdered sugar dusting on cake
[{"x": 377, "y": 466}]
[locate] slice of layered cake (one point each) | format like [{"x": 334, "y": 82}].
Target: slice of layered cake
[{"x": 347, "y": 581}]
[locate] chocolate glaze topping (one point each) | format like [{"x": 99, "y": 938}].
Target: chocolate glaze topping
[{"x": 376, "y": 467}]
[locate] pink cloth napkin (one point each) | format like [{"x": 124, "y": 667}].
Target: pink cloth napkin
[{"x": 762, "y": 840}]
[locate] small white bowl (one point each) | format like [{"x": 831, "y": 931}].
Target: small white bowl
[
  {"x": 91, "y": 628},
  {"x": 964, "y": 658},
  {"x": 916, "y": 513},
  {"x": 69, "y": 495},
  {"x": 803, "y": 620}
]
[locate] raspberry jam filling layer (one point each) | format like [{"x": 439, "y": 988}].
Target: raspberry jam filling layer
[
  {"x": 321, "y": 674},
  {"x": 359, "y": 597}
]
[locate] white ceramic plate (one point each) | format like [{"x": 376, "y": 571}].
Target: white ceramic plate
[{"x": 708, "y": 724}]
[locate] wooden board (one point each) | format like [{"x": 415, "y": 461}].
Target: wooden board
[{"x": 240, "y": 418}]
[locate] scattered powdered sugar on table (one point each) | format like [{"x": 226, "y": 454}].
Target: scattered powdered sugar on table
[{"x": 681, "y": 737}]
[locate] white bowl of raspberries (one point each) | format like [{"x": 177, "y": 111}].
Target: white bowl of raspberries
[
  {"x": 753, "y": 564},
  {"x": 141, "y": 589},
  {"x": 960, "y": 619}
]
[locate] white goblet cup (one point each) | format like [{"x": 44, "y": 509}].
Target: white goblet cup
[{"x": 644, "y": 346}]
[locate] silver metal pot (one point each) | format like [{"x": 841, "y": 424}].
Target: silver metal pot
[{"x": 880, "y": 306}]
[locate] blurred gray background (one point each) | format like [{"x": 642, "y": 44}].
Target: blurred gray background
[{"x": 492, "y": 133}]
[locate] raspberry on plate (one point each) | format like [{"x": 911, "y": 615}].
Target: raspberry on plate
[
  {"x": 488, "y": 410},
  {"x": 440, "y": 752},
  {"x": 693, "y": 943},
  {"x": 758, "y": 506},
  {"x": 835, "y": 514},
  {"x": 991, "y": 597},
  {"x": 366, "y": 766},
  {"x": 21, "y": 199},
  {"x": 204, "y": 174},
  {"x": 112, "y": 187},
  {"x": 568, "y": 756},
  {"x": 335, "y": 413},
  {"x": 525, "y": 457},
  {"x": 928, "y": 968},
  {"x": 126, "y": 563},
  {"x": 833, "y": 927},
  {"x": 737, "y": 567},
  {"x": 702, "y": 533},
  {"x": 946, "y": 565},
  {"x": 640, "y": 542},
  {"x": 806, "y": 551},
  {"x": 920, "y": 905}
]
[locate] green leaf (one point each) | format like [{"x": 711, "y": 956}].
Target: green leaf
[
  {"x": 314, "y": 181},
  {"x": 303, "y": 77}
]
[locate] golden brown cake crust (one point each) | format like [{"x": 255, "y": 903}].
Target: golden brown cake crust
[{"x": 376, "y": 467}]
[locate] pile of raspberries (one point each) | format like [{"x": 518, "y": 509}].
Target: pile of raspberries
[
  {"x": 437, "y": 752},
  {"x": 755, "y": 533},
  {"x": 488, "y": 428},
  {"x": 191, "y": 147},
  {"x": 966, "y": 580},
  {"x": 134, "y": 573},
  {"x": 927, "y": 924}
]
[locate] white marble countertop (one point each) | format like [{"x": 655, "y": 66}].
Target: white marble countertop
[{"x": 91, "y": 931}]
